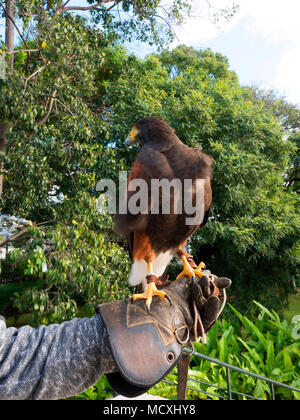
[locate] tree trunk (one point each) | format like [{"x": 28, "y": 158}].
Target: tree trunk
[
  {"x": 10, "y": 33},
  {"x": 4, "y": 127},
  {"x": 9, "y": 43}
]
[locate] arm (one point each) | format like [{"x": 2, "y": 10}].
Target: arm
[
  {"x": 55, "y": 361},
  {"x": 59, "y": 361}
]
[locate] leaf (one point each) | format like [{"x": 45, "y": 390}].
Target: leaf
[
  {"x": 281, "y": 328},
  {"x": 224, "y": 344},
  {"x": 270, "y": 357},
  {"x": 255, "y": 357},
  {"x": 296, "y": 384},
  {"x": 264, "y": 309},
  {"x": 276, "y": 372},
  {"x": 288, "y": 364},
  {"x": 251, "y": 327},
  {"x": 260, "y": 390}
]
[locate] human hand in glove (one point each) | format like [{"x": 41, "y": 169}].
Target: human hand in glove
[{"x": 146, "y": 346}]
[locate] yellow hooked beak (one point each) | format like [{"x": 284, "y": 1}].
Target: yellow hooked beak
[{"x": 132, "y": 137}]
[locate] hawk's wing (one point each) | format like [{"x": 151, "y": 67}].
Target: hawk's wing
[{"x": 150, "y": 164}]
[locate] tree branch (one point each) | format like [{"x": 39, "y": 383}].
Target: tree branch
[
  {"x": 11, "y": 18},
  {"x": 33, "y": 74},
  {"x": 60, "y": 6},
  {"x": 169, "y": 25},
  {"x": 19, "y": 51},
  {"x": 4, "y": 127},
  {"x": 63, "y": 105},
  {"x": 13, "y": 21},
  {"x": 20, "y": 233},
  {"x": 14, "y": 237},
  {"x": 45, "y": 117},
  {"x": 63, "y": 9}
]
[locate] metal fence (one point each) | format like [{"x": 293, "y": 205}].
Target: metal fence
[{"x": 228, "y": 392}]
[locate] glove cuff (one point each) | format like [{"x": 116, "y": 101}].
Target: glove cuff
[{"x": 144, "y": 347}]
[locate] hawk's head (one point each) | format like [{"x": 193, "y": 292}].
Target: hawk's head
[{"x": 150, "y": 129}]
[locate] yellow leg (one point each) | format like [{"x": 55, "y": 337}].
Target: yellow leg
[
  {"x": 151, "y": 291},
  {"x": 189, "y": 271},
  {"x": 150, "y": 267}
]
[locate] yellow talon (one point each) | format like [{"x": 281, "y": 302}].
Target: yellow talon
[
  {"x": 189, "y": 271},
  {"x": 149, "y": 293},
  {"x": 200, "y": 266}
]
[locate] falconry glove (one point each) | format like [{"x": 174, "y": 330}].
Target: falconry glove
[{"x": 146, "y": 346}]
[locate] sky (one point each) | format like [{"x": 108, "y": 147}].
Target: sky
[{"x": 262, "y": 41}]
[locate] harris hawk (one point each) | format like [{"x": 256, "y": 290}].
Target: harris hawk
[{"x": 154, "y": 237}]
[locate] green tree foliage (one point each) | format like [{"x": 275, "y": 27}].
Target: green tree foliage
[
  {"x": 71, "y": 101},
  {"x": 289, "y": 116},
  {"x": 54, "y": 133},
  {"x": 253, "y": 232},
  {"x": 293, "y": 175}
]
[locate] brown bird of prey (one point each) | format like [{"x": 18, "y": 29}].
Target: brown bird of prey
[{"x": 155, "y": 236}]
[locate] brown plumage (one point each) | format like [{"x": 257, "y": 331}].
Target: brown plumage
[{"x": 154, "y": 238}]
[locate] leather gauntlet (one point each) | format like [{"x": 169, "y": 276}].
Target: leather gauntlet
[{"x": 146, "y": 346}]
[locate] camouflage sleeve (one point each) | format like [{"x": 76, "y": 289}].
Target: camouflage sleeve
[{"x": 55, "y": 361}]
